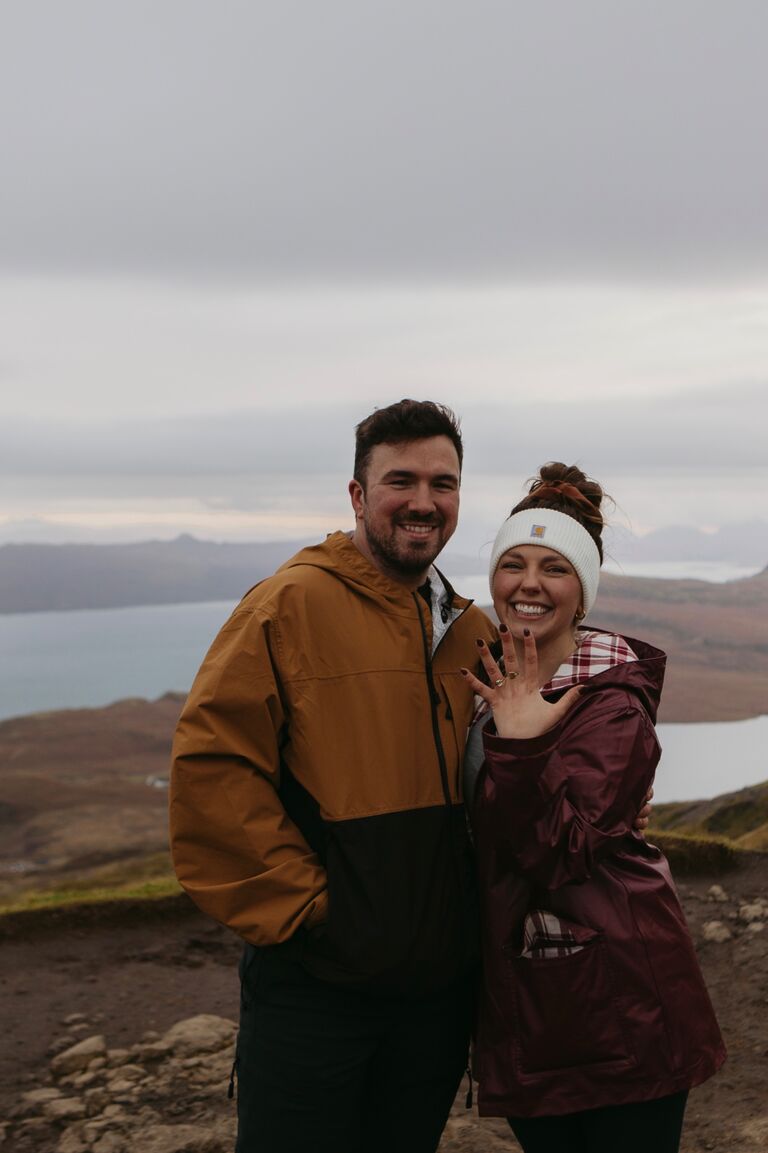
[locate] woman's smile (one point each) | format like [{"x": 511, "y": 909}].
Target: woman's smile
[
  {"x": 527, "y": 609},
  {"x": 536, "y": 588}
]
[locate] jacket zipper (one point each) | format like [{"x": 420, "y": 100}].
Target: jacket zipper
[{"x": 434, "y": 701}]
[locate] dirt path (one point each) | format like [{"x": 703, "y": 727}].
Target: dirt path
[{"x": 128, "y": 973}]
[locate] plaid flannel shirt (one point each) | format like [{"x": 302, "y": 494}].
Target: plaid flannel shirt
[
  {"x": 545, "y": 936},
  {"x": 594, "y": 653}
]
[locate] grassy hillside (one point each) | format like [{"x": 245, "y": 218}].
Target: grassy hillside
[{"x": 739, "y": 818}]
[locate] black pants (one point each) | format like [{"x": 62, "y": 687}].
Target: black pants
[
  {"x": 335, "y": 1070},
  {"x": 637, "y": 1128}
]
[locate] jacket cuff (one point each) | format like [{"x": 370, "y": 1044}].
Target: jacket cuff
[{"x": 522, "y": 749}]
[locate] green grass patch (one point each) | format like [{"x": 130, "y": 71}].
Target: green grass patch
[
  {"x": 739, "y": 818},
  {"x": 85, "y": 891},
  {"x": 735, "y": 817},
  {"x": 689, "y": 855}
]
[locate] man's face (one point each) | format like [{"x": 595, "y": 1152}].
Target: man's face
[{"x": 409, "y": 507}]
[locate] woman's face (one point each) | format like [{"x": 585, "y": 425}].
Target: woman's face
[{"x": 538, "y": 589}]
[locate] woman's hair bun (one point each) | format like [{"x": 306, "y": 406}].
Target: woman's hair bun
[{"x": 565, "y": 488}]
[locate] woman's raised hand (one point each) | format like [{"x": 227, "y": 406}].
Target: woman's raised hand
[{"x": 519, "y": 709}]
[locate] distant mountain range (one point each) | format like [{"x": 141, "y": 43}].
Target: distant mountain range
[
  {"x": 739, "y": 544},
  {"x": 57, "y": 577}
]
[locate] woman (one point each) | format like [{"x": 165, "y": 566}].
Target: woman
[{"x": 594, "y": 1020}]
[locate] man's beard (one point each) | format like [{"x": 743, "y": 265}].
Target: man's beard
[{"x": 407, "y": 559}]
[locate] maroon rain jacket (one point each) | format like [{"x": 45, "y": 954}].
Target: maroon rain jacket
[{"x": 626, "y": 1017}]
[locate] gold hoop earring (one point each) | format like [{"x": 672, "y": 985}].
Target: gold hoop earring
[{"x": 580, "y": 614}]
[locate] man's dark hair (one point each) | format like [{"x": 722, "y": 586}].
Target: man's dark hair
[{"x": 401, "y": 422}]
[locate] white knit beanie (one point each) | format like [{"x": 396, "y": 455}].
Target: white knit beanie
[{"x": 557, "y": 531}]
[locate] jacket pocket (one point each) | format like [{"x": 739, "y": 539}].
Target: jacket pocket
[{"x": 566, "y": 1012}]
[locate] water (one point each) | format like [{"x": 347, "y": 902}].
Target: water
[
  {"x": 704, "y": 760},
  {"x": 87, "y": 659}
]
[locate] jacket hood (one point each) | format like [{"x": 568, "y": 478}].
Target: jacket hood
[
  {"x": 643, "y": 677},
  {"x": 340, "y": 556}
]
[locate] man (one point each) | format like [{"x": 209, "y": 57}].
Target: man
[{"x": 316, "y": 809}]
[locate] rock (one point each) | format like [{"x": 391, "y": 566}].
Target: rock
[
  {"x": 118, "y": 1057},
  {"x": 114, "y": 1112},
  {"x": 34, "y": 1125},
  {"x": 94, "y": 1129},
  {"x": 64, "y": 1109},
  {"x": 125, "y": 1073},
  {"x": 71, "y": 1142},
  {"x": 79, "y": 1056},
  {"x": 58, "y": 1045},
  {"x": 202, "y": 1034},
  {"x": 755, "y": 926},
  {"x": 40, "y": 1096},
  {"x": 717, "y": 893},
  {"x": 716, "y": 931},
  {"x": 755, "y": 912},
  {"x": 756, "y": 1130},
  {"x": 180, "y": 1139},
  {"x": 117, "y": 1088},
  {"x": 96, "y": 1100},
  {"x": 151, "y": 1051},
  {"x": 109, "y": 1143},
  {"x": 74, "y": 1019},
  {"x": 84, "y": 1080}
]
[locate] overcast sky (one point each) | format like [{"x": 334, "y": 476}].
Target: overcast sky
[
  {"x": 228, "y": 230},
  {"x": 397, "y": 136}
]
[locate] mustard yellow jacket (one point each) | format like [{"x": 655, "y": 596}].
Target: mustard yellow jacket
[{"x": 316, "y": 784}]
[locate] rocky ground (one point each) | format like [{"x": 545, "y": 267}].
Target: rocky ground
[{"x": 119, "y": 1030}]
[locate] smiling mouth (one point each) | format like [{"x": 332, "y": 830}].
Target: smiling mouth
[
  {"x": 418, "y": 530},
  {"x": 530, "y": 611}
]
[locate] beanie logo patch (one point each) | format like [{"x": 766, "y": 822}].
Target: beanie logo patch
[{"x": 538, "y": 530}]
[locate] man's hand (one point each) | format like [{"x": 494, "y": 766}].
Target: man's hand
[{"x": 641, "y": 820}]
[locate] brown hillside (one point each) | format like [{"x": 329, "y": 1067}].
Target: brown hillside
[
  {"x": 715, "y": 636},
  {"x": 76, "y": 791}
]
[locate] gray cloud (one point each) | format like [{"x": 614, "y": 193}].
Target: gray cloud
[
  {"x": 712, "y": 429},
  {"x": 709, "y": 430},
  {"x": 407, "y": 137}
]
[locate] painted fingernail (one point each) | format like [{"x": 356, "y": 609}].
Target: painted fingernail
[
  {"x": 526, "y": 632},
  {"x": 479, "y": 644},
  {"x": 503, "y": 629},
  {"x": 464, "y": 672}
]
